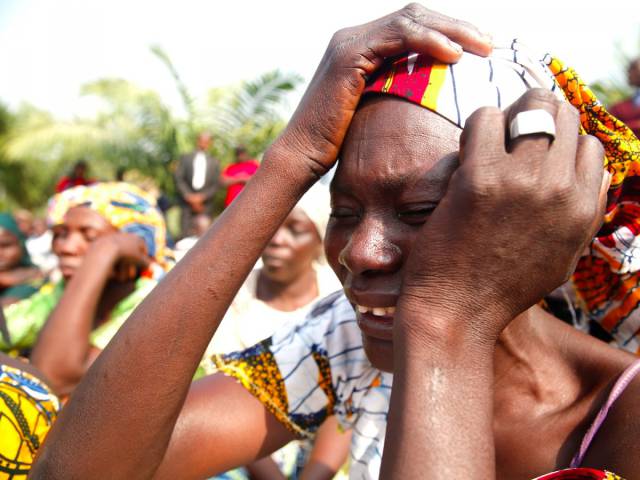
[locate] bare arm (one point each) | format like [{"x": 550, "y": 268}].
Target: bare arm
[
  {"x": 62, "y": 351},
  {"x": 229, "y": 426},
  {"x": 63, "y": 344},
  {"x": 330, "y": 451}
]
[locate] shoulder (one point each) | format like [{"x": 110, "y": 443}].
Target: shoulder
[{"x": 616, "y": 441}]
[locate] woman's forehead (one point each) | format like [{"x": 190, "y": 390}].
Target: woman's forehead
[
  {"x": 298, "y": 215},
  {"x": 392, "y": 141},
  {"x": 82, "y": 216}
]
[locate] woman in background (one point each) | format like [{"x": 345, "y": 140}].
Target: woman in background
[
  {"x": 294, "y": 274},
  {"x": 18, "y": 275},
  {"x": 110, "y": 242}
]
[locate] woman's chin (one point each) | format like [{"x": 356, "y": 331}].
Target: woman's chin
[
  {"x": 379, "y": 352},
  {"x": 67, "y": 273}
]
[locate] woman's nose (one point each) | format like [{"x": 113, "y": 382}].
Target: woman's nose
[
  {"x": 369, "y": 250},
  {"x": 70, "y": 244},
  {"x": 280, "y": 237}
]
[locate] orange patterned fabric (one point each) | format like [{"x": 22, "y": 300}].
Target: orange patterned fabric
[{"x": 607, "y": 279}]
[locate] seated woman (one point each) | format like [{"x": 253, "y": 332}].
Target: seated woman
[
  {"x": 18, "y": 275},
  {"x": 110, "y": 242},
  {"x": 293, "y": 275},
  {"x": 448, "y": 227}
]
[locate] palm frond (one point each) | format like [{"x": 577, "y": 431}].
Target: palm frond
[{"x": 187, "y": 98}]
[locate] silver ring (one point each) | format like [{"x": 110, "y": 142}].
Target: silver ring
[{"x": 532, "y": 122}]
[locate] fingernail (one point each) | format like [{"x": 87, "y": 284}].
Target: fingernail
[
  {"x": 455, "y": 46},
  {"x": 487, "y": 37}
]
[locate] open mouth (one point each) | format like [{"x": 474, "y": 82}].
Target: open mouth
[
  {"x": 376, "y": 322},
  {"x": 377, "y": 311}
]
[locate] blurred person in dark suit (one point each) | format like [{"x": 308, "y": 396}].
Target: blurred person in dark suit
[{"x": 196, "y": 177}]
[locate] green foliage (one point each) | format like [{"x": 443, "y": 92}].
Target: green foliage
[
  {"x": 20, "y": 181},
  {"x": 134, "y": 129},
  {"x": 249, "y": 114}
]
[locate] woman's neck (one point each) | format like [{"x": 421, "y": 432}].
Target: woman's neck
[
  {"x": 289, "y": 296},
  {"x": 530, "y": 367}
]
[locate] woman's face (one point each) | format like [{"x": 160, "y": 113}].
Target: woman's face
[
  {"x": 10, "y": 250},
  {"x": 293, "y": 248},
  {"x": 73, "y": 237},
  {"x": 394, "y": 169}
]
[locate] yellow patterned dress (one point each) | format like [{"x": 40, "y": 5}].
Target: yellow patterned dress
[{"x": 27, "y": 410}]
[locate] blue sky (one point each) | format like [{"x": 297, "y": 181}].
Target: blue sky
[{"x": 48, "y": 49}]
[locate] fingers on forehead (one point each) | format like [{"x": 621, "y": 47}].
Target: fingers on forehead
[
  {"x": 458, "y": 30},
  {"x": 417, "y": 29},
  {"x": 484, "y": 131}
]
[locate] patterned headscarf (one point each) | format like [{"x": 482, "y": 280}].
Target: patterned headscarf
[
  {"x": 8, "y": 223},
  {"x": 125, "y": 206},
  {"x": 607, "y": 280}
]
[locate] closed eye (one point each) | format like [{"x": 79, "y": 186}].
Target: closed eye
[
  {"x": 416, "y": 216},
  {"x": 343, "y": 213}
]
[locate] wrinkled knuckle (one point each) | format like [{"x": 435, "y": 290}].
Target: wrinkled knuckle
[
  {"x": 413, "y": 10},
  {"x": 340, "y": 37},
  {"x": 593, "y": 145},
  {"x": 588, "y": 208},
  {"x": 540, "y": 98},
  {"x": 542, "y": 95},
  {"x": 528, "y": 188},
  {"x": 563, "y": 193},
  {"x": 569, "y": 110},
  {"x": 401, "y": 24},
  {"x": 462, "y": 24},
  {"x": 483, "y": 114}
]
